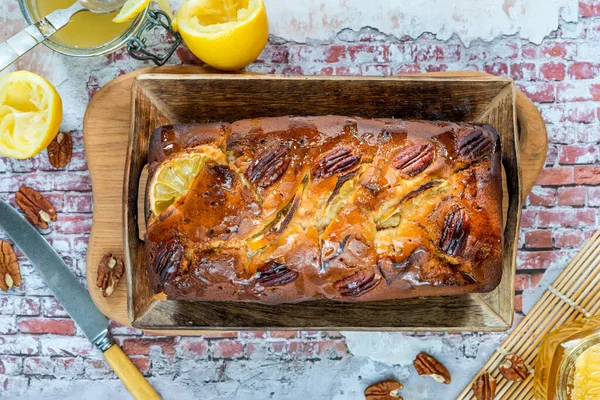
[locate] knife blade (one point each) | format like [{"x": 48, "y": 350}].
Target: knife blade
[
  {"x": 55, "y": 273},
  {"x": 74, "y": 298}
]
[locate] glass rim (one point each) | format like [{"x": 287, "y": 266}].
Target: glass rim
[
  {"x": 106, "y": 48},
  {"x": 577, "y": 345}
]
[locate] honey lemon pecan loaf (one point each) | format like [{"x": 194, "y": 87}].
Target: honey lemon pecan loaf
[{"x": 293, "y": 209}]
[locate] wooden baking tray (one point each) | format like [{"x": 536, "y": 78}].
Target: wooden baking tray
[{"x": 159, "y": 99}]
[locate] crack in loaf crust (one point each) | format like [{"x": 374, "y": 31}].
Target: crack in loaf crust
[{"x": 329, "y": 207}]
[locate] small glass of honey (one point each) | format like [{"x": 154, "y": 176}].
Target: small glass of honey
[
  {"x": 87, "y": 34},
  {"x": 568, "y": 362}
]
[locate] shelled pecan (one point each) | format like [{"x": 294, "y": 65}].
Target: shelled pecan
[
  {"x": 10, "y": 273},
  {"x": 336, "y": 162},
  {"x": 484, "y": 388},
  {"x": 38, "y": 210},
  {"x": 514, "y": 368},
  {"x": 358, "y": 283},
  {"x": 276, "y": 274},
  {"x": 60, "y": 150},
  {"x": 455, "y": 232},
  {"x": 168, "y": 260},
  {"x": 110, "y": 272},
  {"x": 268, "y": 167},
  {"x": 475, "y": 145},
  {"x": 414, "y": 159},
  {"x": 386, "y": 390},
  {"x": 428, "y": 365}
]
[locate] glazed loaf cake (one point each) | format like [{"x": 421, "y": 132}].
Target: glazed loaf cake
[{"x": 292, "y": 209}]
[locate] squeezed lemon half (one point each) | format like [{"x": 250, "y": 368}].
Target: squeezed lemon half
[
  {"x": 225, "y": 34},
  {"x": 30, "y": 114},
  {"x": 130, "y": 10}
]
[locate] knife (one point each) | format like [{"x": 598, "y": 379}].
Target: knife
[{"x": 74, "y": 299}]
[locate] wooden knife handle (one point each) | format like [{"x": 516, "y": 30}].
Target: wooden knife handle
[{"x": 131, "y": 377}]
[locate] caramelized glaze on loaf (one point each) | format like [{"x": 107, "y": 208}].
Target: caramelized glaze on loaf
[{"x": 330, "y": 207}]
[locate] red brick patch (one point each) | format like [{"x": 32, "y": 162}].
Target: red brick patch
[
  {"x": 589, "y": 8},
  {"x": 538, "y": 239},
  {"x": 566, "y": 218},
  {"x": 142, "y": 346},
  {"x": 542, "y": 196},
  {"x": 284, "y": 334},
  {"x": 539, "y": 259},
  {"x": 571, "y": 196},
  {"x": 142, "y": 363},
  {"x": 499, "y": 68},
  {"x": 57, "y": 326},
  {"x": 563, "y": 50},
  {"x": 556, "y": 176},
  {"x": 581, "y": 70},
  {"x": 569, "y": 238},
  {"x": 552, "y": 71},
  {"x": 227, "y": 349},
  {"x": 335, "y": 53},
  {"x": 578, "y": 154},
  {"x": 194, "y": 347},
  {"x": 587, "y": 175},
  {"x": 581, "y": 113},
  {"x": 522, "y": 71},
  {"x": 519, "y": 303},
  {"x": 73, "y": 224},
  {"x": 528, "y": 218},
  {"x": 541, "y": 92}
]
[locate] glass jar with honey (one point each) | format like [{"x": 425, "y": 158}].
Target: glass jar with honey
[
  {"x": 568, "y": 362},
  {"x": 89, "y": 34}
]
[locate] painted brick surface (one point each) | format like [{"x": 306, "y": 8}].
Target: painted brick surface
[{"x": 42, "y": 354}]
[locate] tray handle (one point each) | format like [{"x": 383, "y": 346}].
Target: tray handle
[{"x": 533, "y": 141}]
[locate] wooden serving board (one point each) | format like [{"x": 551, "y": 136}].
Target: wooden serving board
[{"x": 106, "y": 132}]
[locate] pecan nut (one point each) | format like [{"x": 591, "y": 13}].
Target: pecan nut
[
  {"x": 268, "y": 167},
  {"x": 514, "y": 369},
  {"x": 484, "y": 387},
  {"x": 455, "y": 232},
  {"x": 358, "y": 283},
  {"x": 386, "y": 390},
  {"x": 336, "y": 162},
  {"x": 38, "y": 210},
  {"x": 414, "y": 159},
  {"x": 276, "y": 274},
  {"x": 428, "y": 365},
  {"x": 10, "y": 273},
  {"x": 110, "y": 272},
  {"x": 168, "y": 259},
  {"x": 475, "y": 145},
  {"x": 60, "y": 150}
]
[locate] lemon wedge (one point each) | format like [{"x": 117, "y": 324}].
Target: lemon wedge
[
  {"x": 225, "y": 34},
  {"x": 173, "y": 179},
  {"x": 130, "y": 10},
  {"x": 30, "y": 114}
]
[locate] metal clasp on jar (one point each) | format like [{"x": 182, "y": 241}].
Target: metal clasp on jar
[{"x": 137, "y": 47}]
